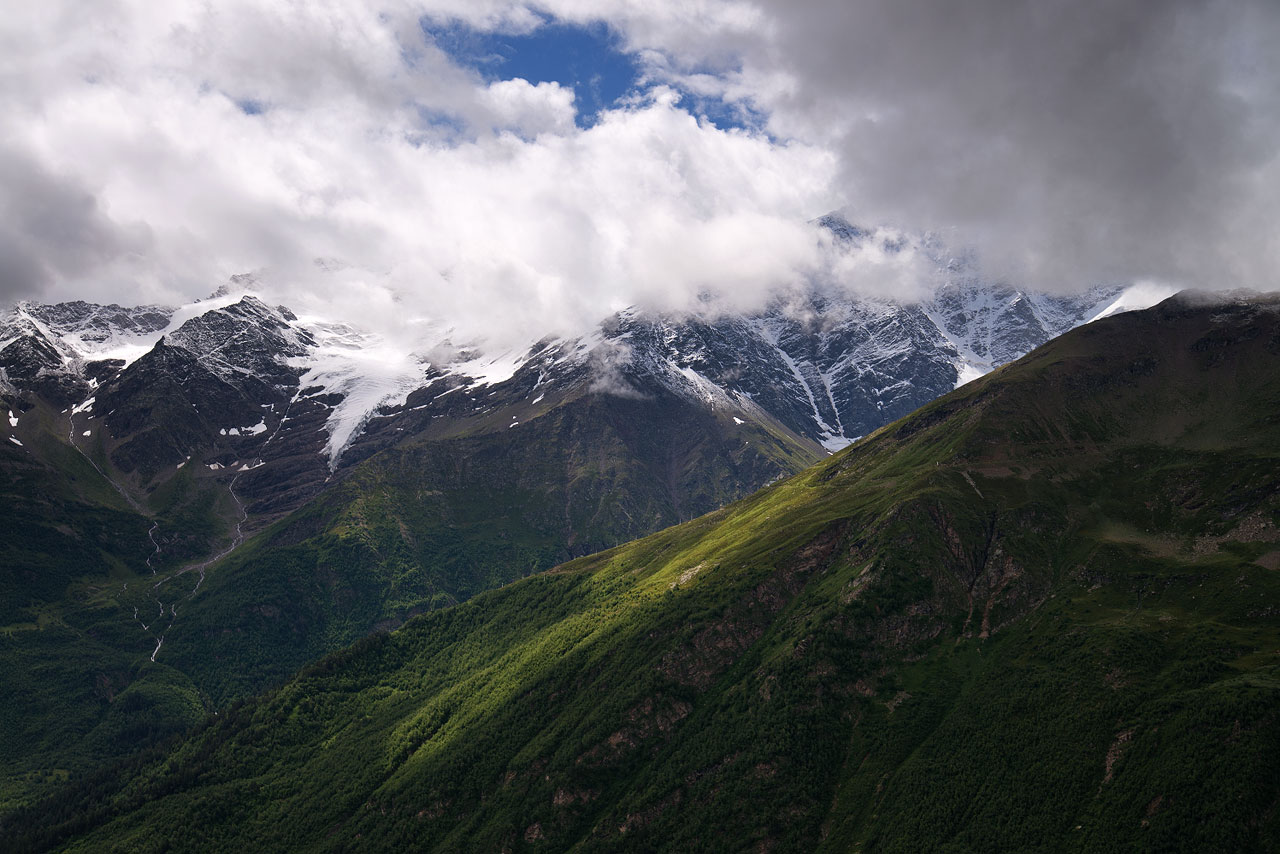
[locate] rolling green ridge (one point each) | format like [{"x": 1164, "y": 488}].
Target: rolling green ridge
[{"x": 1040, "y": 614}]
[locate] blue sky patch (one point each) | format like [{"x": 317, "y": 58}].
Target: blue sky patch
[
  {"x": 588, "y": 59},
  {"x": 725, "y": 115}
]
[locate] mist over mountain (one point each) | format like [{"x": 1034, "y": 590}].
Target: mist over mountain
[
  {"x": 288, "y": 483},
  {"x": 445, "y": 158},
  {"x": 829, "y": 366}
]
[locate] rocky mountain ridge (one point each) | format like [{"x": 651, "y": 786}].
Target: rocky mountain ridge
[{"x": 239, "y": 375}]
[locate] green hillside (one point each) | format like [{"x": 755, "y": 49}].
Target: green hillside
[
  {"x": 76, "y": 686},
  {"x": 1040, "y": 614},
  {"x": 424, "y": 523},
  {"x": 436, "y": 519}
]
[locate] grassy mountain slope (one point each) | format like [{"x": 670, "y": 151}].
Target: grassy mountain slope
[
  {"x": 75, "y": 686},
  {"x": 101, "y": 657},
  {"x": 435, "y": 520},
  {"x": 1042, "y": 613}
]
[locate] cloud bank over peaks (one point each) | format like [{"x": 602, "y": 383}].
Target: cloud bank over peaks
[
  {"x": 176, "y": 146},
  {"x": 149, "y": 151},
  {"x": 1070, "y": 141}
]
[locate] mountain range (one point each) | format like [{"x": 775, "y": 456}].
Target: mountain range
[
  {"x": 309, "y": 398},
  {"x": 1038, "y": 613},
  {"x": 206, "y": 498}
]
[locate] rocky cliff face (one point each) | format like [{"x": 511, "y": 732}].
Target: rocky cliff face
[{"x": 245, "y": 387}]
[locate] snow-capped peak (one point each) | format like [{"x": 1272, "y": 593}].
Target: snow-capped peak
[{"x": 829, "y": 366}]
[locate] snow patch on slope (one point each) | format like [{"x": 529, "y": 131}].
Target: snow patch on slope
[
  {"x": 260, "y": 427},
  {"x": 366, "y": 370},
  {"x": 967, "y": 372},
  {"x": 490, "y": 370},
  {"x": 1135, "y": 298}
]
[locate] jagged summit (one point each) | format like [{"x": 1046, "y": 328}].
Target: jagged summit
[
  {"x": 246, "y": 337},
  {"x": 248, "y": 385},
  {"x": 836, "y": 223}
]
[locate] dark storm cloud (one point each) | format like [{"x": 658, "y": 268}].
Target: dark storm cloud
[
  {"x": 51, "y": 227},
  {"x": 1068, "y": 139}
]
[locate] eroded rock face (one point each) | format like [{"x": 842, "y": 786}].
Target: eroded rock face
[
  {"x": 33, "y": 364},
  {"x": 248, "y": 391},
  {"x": 833, "y": 369}
]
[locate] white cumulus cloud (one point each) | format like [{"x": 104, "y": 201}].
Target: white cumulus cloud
[{"x": 149, "y": 151}]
